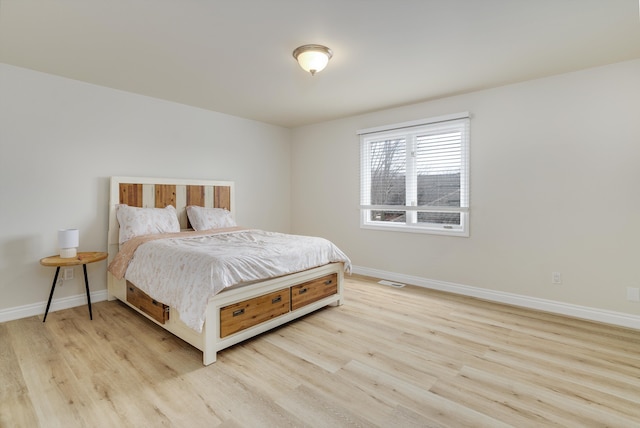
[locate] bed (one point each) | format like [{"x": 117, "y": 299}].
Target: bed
[{"x": 233, "y": 312}]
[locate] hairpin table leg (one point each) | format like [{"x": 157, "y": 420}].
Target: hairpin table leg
[
  {"x": 53, "y": 287},
  {"x": 86, "y": 284}
]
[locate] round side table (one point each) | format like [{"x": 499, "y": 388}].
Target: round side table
[{"x": 81, "y": 259}]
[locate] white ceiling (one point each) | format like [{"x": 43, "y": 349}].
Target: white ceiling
[{"x": 235, "y": 57}]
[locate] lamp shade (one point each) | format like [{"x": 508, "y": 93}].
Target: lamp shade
[
  {"x": 312, "y": 58},
  {"x": 68, "y": 241}
]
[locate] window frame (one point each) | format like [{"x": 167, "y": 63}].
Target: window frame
[{"x": 410, "y": 131}]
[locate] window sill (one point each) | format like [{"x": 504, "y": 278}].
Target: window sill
[{"x": 458, "y": 232}]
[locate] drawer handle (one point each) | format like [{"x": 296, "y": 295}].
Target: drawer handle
[
  {"x": 238, "y": 312},
  {"x": 302, "y": 291},
  {"x": 276, "y": 300},
  {"x": 328, "y": 282},
  {"x": 154, "y": 302},
  {"x": 131, "y": 289}
]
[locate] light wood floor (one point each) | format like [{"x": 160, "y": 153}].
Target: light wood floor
[{"x": 388, "y": 357}]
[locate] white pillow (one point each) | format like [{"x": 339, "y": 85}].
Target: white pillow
[
  {"x": 202, "y": 218},
  {"x": 144, "y": 221}
]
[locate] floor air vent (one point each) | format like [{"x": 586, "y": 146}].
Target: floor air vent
[{"x": 391, "y": 283}]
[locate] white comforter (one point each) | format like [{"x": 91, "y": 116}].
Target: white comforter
[{"x": 186, "y": 272}]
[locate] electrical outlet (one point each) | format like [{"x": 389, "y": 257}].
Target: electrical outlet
[
  {"x": 67, "y": 274},
  {"x": 556, "y": 278},
  {"x": 633, "y": 294}
]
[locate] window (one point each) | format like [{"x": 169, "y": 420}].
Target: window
[{"x": 415, "y": 176}]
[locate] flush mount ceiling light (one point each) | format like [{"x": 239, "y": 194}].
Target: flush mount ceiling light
[{"x": 312, "y": 58}]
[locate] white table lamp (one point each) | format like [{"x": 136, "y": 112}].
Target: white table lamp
[{"x": 68, "y": 241}]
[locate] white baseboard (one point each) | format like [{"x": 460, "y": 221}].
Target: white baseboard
[
  {"x": 32, "y": 309},
  {"x": 584, "y": 312}
]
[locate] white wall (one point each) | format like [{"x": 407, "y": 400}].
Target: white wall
[
  {"x": 554, "y": 176},
  {"x": 555, "y": 173},
  {"x": 61, "y": 140}
]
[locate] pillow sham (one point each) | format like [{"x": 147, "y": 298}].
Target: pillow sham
[
  {"x": 202, "y": 218},
  {"x": 144, "y": 221}
]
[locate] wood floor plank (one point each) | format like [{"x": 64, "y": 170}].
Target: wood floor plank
[
  {"x": 330, "y": 386},
  {"x": 565, "y": 408},
  {"x": 501, "y": 406},
  {"x": 319, "y": 355},
  {"x": 17, "y": 411},
  {"x": 16, "y": 408},
  {"x": 570, "y": 388},
  {"x": 405, "y": 357},
  {"x": 13, "y": 383},
  {"x": 623, "y": 387},
  {"x": 388, "y": 388},
  {"x": 320, "y": 411},
  {"x": 383, "y": 355},
  {"x": 233, "y": 399}
]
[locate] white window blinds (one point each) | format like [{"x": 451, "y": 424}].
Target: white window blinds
[{"x": 416, "y": 177}]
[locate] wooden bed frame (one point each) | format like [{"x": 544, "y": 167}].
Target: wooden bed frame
[{"x": 233, "y": 315}]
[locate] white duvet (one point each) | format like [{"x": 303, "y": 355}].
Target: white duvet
[{"x": 185, "y": 272}]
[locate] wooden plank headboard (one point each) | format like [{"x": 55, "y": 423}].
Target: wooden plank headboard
[{"x": 160, "y": 192}]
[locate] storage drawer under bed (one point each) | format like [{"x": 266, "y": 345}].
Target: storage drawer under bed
[
  {"x": 314, "y": 290},
  {"x": 138, "y": 298},
  {"x": 245, "y": 314}
]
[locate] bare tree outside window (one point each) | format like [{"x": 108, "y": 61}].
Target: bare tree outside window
[{"x": 388, "y": 181}]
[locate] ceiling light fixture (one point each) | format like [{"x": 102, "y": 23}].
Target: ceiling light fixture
[{"x": 312, "y": 58}]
